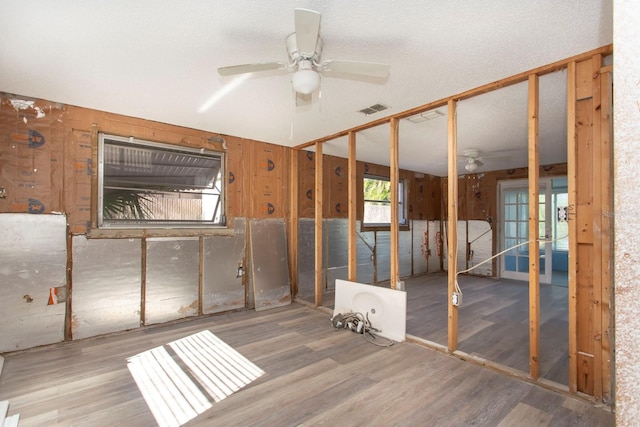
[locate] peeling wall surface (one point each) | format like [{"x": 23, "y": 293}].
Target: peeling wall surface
[
  {"x": 33, "y": 251},
  {"x": 106, "y": 285},
  {"x": 172, "y": 279},
  {"x": 626, "y": 208}
]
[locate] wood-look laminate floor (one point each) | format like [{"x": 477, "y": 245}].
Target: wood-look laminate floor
[
  {"x": 313, "y": 375},
  {"x": 493, "y": 320}
]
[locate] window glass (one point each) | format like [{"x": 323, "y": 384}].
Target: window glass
[
  {"x": 147, "y": 184},
  {"x": 377, "y": 201}
]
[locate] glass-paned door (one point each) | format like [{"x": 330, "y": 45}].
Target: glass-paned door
[{"x": 514, "y": 230}]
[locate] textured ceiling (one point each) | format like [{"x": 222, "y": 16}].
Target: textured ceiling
[{"x": 157, "y": 59}]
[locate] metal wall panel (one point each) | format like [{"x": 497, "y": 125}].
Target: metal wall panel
[
  {"x": 337, "y": 250},
  {"x": 106, "y": 285},
  {"x": 405, "y": 246},
  {"x": 222, "y": 290},
  {"x": 33, "y": 254},
  {"x": 270, "y": 265},
  {"x": 480, "y": 237},
  {"x": 434, "y": 259},
  {"x": 365, "y": 243},
  {"x": 462, "y": 245},
  {"x": 306, "y": 257},
  {"x": 421, "y": 248},
  {"x": 383, "y": 256},
  {"x": 172, "y": 273}
]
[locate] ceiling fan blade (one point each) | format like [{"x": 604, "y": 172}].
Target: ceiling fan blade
[
  {"x": 372, "y": 69},
  {"x": 307, "y": 30},
  {"x": 250, "y": 68}
]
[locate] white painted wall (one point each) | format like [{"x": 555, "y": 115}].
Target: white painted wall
[{"x": 626, "y": 21}]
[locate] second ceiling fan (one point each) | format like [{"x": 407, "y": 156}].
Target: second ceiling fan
[{"x": 305, "y": 48}]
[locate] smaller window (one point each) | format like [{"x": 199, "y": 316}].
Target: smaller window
[
  {"x": 377, "y": 201},
  {"x": 147, "y": 184}
]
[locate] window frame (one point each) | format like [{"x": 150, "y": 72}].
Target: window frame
[
  {"x": 403, "y": 219},
  {"x": 140, "y": 224}
]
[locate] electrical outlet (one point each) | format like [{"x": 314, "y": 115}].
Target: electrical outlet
[{"x": 455, "y": 299}]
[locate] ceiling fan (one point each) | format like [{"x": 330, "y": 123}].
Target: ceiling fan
[
  {"x": 473, "y": 159},
  {"x": 305, "y": 48}
]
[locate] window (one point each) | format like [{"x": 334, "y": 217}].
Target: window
[
  {"x": 148, "y": 184},
  {"x": 377, "y": 201}
]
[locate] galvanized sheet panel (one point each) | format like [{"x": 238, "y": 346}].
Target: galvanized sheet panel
[
  {"x": 383, "y": 256},
  {"x": 365, "y": 242},
  {"x": 222, "y": 290},
  {"x": 33, "y": 250},
  {"x": 270, "y": 265},
  {"x": 421, "y": 248},
  {"x": 481, "y": 239},
  {"x": 306, "y": 257},
  {"x": 106, "y": 285},
  {"x": 434, "y": 259},
  {"x": 172, "y": 279},
  {"x": 405, "y": 246},
  {"x": 337, "y": 251},
  {"x": 462, "y": 245}
]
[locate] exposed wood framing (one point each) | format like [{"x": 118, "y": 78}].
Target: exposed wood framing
[
  {"x": 394, "y": 226},
  {"x": 452, "y": 242},
  {"x": 606, "y": 189},
  {"x": 518, "y": 78},
  {"x": 534, "y": 248},
  {"x": 143, "y": 281},
  {"x": 589, "y": 125},
  {"x": 352, "y": 189},
  {"x": 573, "y": 243},
  {"x": 318, "y": 225},
  {"x": 68, "y": 320},
  {"x": 293, "y": 222},
  {"x": 200, "y": 274},
  {"x": 596, "y": 176}
]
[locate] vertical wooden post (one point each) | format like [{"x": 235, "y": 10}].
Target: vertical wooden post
[
  {"x": 143, "y": 281},
  {"x": 573, "y": 235},
  {"x": 452, "y": 242},
  {"x": 534, "y": 245},
  {"x": 606, "y": 101},
  {"x": 353, "y": 198},
  {"x": 318, "y": 225},
  {"x": 294, "y": 220},
  {"x": 395, "y": 184},
  {"x": 68, "y": 313},
  {"x": 597, "y": 178},
  {"x": 200, "y": 275}
]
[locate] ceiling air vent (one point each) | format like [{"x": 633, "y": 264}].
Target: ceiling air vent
[
  {"x": 427, "y": 115},
  {"x": 375, "y": 108}
]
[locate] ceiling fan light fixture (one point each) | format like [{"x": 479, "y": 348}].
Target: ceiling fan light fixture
[
  {"x": 471, "y": 166},
  {"x": 305, "y": 81}
]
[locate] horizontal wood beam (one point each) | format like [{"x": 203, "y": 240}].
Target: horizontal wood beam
[{"x": 489, "y": 87}]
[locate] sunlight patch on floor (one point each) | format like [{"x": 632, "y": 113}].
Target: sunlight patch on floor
[{"x": 211, "y": 370}]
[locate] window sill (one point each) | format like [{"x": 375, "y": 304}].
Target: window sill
[
  {"x": 138, "y": 233},
  {"x": 382, "y": 228}
]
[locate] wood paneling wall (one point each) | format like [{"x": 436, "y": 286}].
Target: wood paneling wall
[{"x": 590, "y": 260}]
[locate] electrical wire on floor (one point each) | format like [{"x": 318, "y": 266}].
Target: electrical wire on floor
[
  {"x": 457, "y": 287},
  {"x": 360, "y": 324}
]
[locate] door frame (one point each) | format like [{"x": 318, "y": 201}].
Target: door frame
[{"x": 546, "y": 189}]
